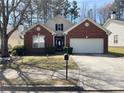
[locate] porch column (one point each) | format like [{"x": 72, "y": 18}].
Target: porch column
[
  {"x": 53, "y": 40},
  {"x": 65, "y": 40}
]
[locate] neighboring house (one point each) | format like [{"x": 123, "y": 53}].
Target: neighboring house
[
  {"x": 14, "y": 40},
  {"x": 116, "y": 39},
  {"x": 85, "y": 37}
]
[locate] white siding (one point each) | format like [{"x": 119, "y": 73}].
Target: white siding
[
  {"x": 116, "y": 29},
  {"x": 15, "y": 40}
]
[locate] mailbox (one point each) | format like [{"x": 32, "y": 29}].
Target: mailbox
[{"x": 66, "y": 56}]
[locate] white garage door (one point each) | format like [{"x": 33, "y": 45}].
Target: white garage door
[{"x": 87, "y": 45}]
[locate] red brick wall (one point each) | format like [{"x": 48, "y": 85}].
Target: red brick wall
[
  {"x": 28, "y": 40},
  {"x": 92, "y": 31}
]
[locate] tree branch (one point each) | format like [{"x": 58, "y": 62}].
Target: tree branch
[
  {"x": 20, "y": 20},
  {"x": 14, "y": 7},
  {"x": 4, "y": 26}
]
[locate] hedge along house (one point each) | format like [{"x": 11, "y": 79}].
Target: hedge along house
[{"x": 85, "y": 37}]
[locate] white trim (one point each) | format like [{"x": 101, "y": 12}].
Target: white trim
[
  {"x": 38, "y": 41},
  {"x": 114, "y": 21},
  {"x": 107, "y": 22},
  {"x": 65, "y": 40},
  {"x": 53, "y": 40},
  {"x": 104, "y": 29},
  {"x": 29, "y": 29}
]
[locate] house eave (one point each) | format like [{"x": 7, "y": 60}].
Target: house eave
[
  {"x": 52, "y": 32},
  {"x": 104, "y": 29}
]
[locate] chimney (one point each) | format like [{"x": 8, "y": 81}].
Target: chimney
[{"x": 113, "y": 15}]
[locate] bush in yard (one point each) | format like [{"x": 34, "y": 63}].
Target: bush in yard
[
  {"x": 9, "y": 47},
  {"x": 18, "y": 50},
  {"x": 68, "y": 50},
  {"x": 14, "y": 53},
  {"x": 50, "y": 50}
]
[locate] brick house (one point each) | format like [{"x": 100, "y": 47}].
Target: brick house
[{"x": 85, "y": 37}]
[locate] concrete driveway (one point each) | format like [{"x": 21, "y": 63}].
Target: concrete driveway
[{"x": 100, "y": 72}]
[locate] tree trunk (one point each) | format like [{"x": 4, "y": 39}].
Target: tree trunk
[{"x": 4, "y": 45}]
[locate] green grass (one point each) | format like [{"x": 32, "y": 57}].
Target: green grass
[{"x": 117, "y": 51}]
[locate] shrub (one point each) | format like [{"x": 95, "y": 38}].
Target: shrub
[
  {"x": 50, "y": 50},
  {"x": 9, "y": 47},
  {"x": 18, "y": 50},
  {"x": 14, "y": 53},
  {"x": 68, "y": 50}
]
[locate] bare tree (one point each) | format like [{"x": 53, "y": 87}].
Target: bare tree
[
  {"x": 84, "y": 10},
  {"x": 88, "y": 11},
  {"x": 118, "y": 7},
  {"x": 47, "y": 9},
  {"x": 11, "y": 11},
  {"x": 104, "y": 13}
]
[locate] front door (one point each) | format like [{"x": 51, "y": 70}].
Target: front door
[{"x": 59, "y": 43}]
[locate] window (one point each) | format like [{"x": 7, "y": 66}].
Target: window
[
  {"x": 59, "y": 27},
  {"x": 115, "y": 39},
  {"x": 38, "y": 41}
]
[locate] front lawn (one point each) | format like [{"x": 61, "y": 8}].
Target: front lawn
[
  {"x": 117, "y": 51},
  {"x": 48, "y": 63},
  {"x": 20, "y": 81},
  {"x": 38, "y": 70}
]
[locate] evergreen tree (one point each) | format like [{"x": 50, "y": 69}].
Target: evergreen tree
[
  {"x": 67, "y": 7},
  {"x": 74, "y": 11},
  {"x": 57, "y": 7}
]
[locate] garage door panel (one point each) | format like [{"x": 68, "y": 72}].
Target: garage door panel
[{"x": 87, "y": 45}]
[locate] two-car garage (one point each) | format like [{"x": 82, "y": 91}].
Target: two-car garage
[
  {"x": 87, "y": 37},
  {"x": 87, "y": 45}
]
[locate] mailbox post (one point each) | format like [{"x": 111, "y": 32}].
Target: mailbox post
[{"x": 66, "y": 58}]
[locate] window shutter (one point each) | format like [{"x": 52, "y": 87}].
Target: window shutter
[
  {"x": 61, "y": 27},
  {"x": 56, "y": 27}
]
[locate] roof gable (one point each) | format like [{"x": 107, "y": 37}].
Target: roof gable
[
  {"x": 60, "y": 17},
  {"x": 109, "y": 21},
  {"x": 33, "y": 26},
  {"x": 97, "y": 25}
]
